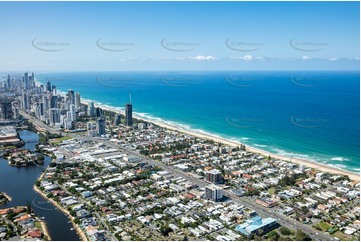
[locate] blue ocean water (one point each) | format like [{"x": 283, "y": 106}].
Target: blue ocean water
[{"x": 313, "y": 115}]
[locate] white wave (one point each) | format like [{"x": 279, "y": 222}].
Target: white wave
[
  {"x": 339, "y": 159},
  {"x": 281, "y": 152},
  {"x": 258, "y": 145},
  {"x": 340, "y": 166}
]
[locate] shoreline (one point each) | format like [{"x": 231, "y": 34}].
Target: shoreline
[
  {"x": 45, "y": 230},
  {"x": 299, "y": 161},
  {"x": 78, "y": 230}
]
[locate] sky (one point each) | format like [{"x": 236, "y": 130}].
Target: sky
[{"x": 172, "y": 36}]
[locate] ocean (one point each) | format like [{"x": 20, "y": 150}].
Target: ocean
[{"x": 312, "y": 115}]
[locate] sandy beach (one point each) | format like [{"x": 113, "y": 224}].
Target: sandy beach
[
  {"x": 307, "y": 163},
  {"x": 299, "y": 161},
  {"x": 45, "y": 230},
  {"x": 77, "y": 228}
]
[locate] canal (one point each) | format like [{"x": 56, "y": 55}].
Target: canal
[{"x": 18, "y": 183}]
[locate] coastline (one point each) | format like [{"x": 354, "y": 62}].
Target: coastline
[
  {"x": 78, "y": 230},
  {"x": 299, "y": 161}
]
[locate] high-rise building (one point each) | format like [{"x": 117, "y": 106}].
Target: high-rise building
[
  {"x": 77, "y": 100},
  {"x": 91, "y": 109},
  {"x": 32, "y": 80},
  {"x": 214, "y": 193},
  {"x": 54, "y": 101},
  {"x": 48, "y": 86},
  {"x": 45, "y": 104},
  {"x": 98, "y": 112},
  {"x": 25, "y": 101},
  {"x": 6, "y": 111},
  {"x": 8, "y": 82},
  {"x": 53, "y": 89},
  {"x": 72, "y": 112},
  {"x": 41, "y": 106},
  {"x": 214, "y": 176},
  {"x": 26, "y": 81},
  {"x": 117, "y": 119},
  {"x": 100, "y": 126},
  {"x": 71, "y": 97},
  {"x": 54, "y": 115},
  {"x": 37, "y": 111},
  {"x": 128, "y": 114}
]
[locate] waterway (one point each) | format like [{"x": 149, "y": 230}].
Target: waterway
[{"x": 18, "y": 183}]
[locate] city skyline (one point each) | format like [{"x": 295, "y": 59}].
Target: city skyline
[{"x": 178, "y": 36}]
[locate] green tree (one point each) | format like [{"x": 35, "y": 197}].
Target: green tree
[
  {"x": 301, "y": 236},
  {"x": 285, "y": 231}
]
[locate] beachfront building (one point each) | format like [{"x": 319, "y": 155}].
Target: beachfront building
[
  {"x": 257, "y": 225},
  {"x": 91, "y": 109},
  {"x": 128, "y": 114}
]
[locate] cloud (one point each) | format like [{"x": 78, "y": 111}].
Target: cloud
[
  {"x": 333, "y": 59},
  {"x": 202, "y": 58},
  {"x": 246, "y": 58},
  {"x": 305, "y": 57}
]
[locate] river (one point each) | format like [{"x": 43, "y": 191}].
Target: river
[{"x": 18, "y": 183}]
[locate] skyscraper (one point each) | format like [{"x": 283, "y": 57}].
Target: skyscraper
[
  {"x": 32, "y": 80},
  {"x": 71, "y": 97},
  {"x": 53, "y": 89},
  {"x": 117, "y": 119},
  {"x": 54, "y": 102},
  {"x": 45, "y": 105},
  {"x": 72, "y": 112},
  {"x": 25, "y": 101},
  {"x": 54, "y": 114},
  {"x": 48, "y": 86},
  {"x": 8, "y": 82},
  {"x": 100, "y": 126},
  {"x": 128, "y": 114},
  {"x": 91, "y": 109},
  {"x": 98, "y": 112},
  {"x": 77, "y": 100},
  {"x": 26, "y": 80},
  {"x": 6, "y": 111}
]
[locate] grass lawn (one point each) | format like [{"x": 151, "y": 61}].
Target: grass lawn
[
  {"x": 324, "y": 226},
  {"x": 59, "y": 140},
  {"x": 38, "y": 225},
  {"x": 272, "y": 190}
]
